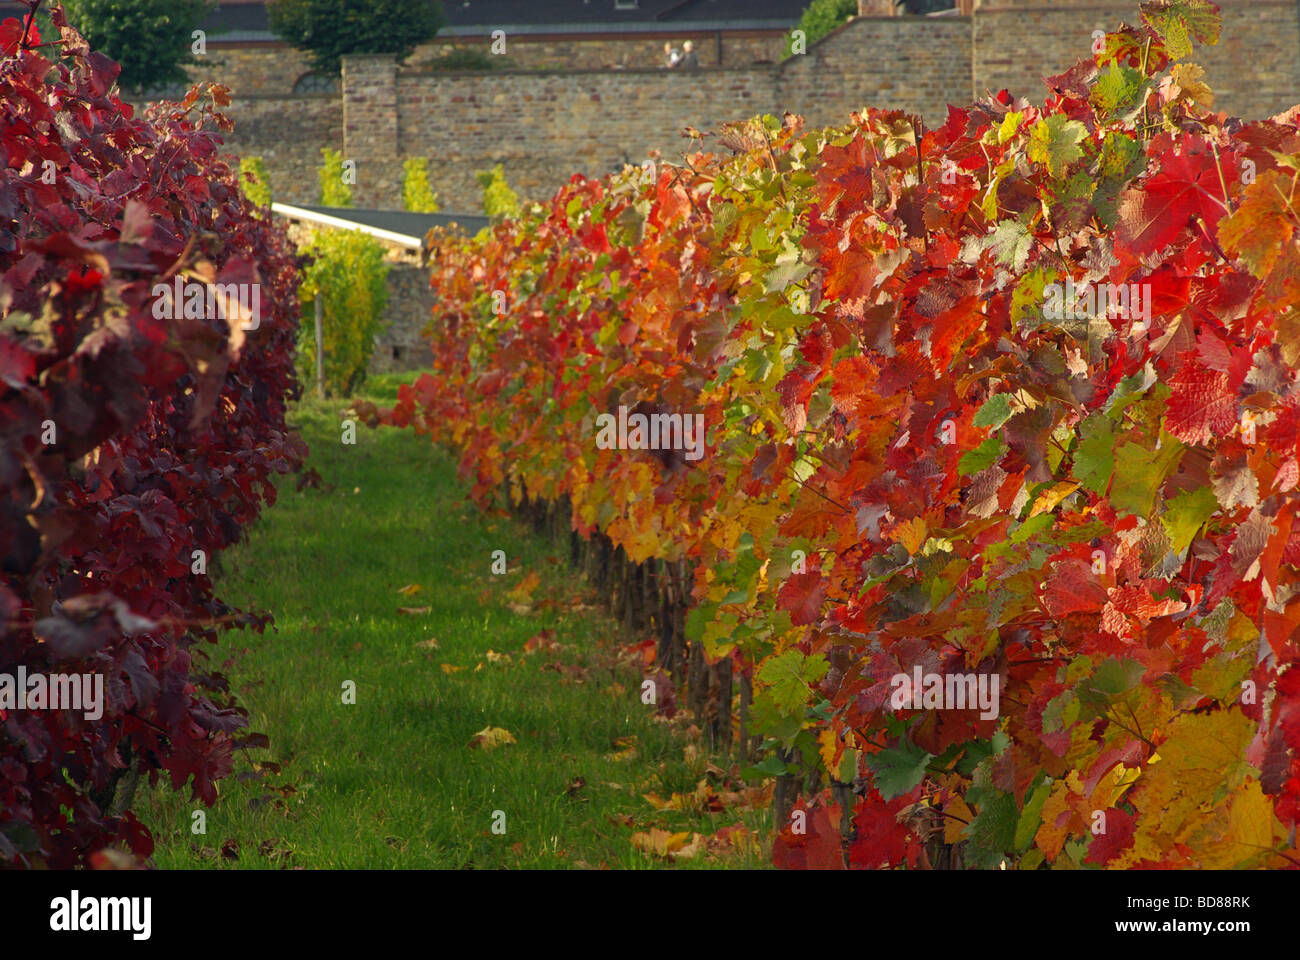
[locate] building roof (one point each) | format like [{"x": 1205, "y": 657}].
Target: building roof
[
  {"x": 246, "y": 20},
  {"x": 400, "y": 227}
]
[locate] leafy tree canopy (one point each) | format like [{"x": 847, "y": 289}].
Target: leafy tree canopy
[
  {"x": 149, "y": 38},
  {"x": 331, "y": 29},
  {"x": 821, "y": 17}
]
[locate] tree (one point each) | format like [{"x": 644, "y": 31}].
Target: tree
[
  {"x": 417, "y": 192},
  {"x": 255, "y": 181},
  {"x": 349, "y": 272},
  {"x": 331, "y": 29},
  {"x": 335, "y": 177},
  {"x": 149, "y": 38},
  {"x": 499, "y": 201},
  {"x": 821, "y": 17}
]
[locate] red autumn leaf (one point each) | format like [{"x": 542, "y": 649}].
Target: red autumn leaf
[
  {"x": 1201, "y": 406},
  {"x": 1105, "y": 847},
  {"x": 1152, "y": 215},
  {"x": 816, "y": 849},
  {"x": 802, "y": 595}
]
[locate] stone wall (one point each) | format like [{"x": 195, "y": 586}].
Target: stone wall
[
  {"x": 272, "y": 69},
  {"x": 1254, "y": 70},
  {"x": 542, "y": 126},
  {"x": 410, "y": 308}
]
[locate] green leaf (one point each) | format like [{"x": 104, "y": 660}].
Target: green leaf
[
  {"x": 1094, "y": 459},
  {"x": 898, "y": 770},
  {"x": 1054, "y": 141},
  {"x": 993, "y": 831},
  {"x": 770, "y": 766},
  {"x": 1119, "y": 89},
  {"x": 784, "y": 274},
  {"x": 786, "y": 677},
  {"x": 1031, "y": 818},
  {"x": 1187, "y": 513},
  {"x": 1010, "y": 243},
  {"x": 982, "y": 457},
  {"x": 1178, "y": 22},
  {"x": 1139, "y": 472},
  {"x": 995, "y": 412}
]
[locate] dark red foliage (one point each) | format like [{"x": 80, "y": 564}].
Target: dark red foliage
[{"x": 166, "y": 436}]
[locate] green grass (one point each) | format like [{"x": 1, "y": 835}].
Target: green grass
[{"x": 390, "y": 781}]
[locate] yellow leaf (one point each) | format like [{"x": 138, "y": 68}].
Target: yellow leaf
[
  {"x": 664, "y": 844},
  {"x": 953, "y": 829},
  {"x": 523, "y": 592},
  {"x": 449, "y": 668},
  {"x": 410, "y": 590},
  {"x": 489, "y": 738},
  {"x": 1201, "y": 762},
  {"x": 1251, "y": 821},
  {"x": 1190, "y": 79},
  {"x": 494, "y": 657},
  {"x": 430, "y": 644},
  {"x": 1051, "y": 835},
  {"x": 827, "y": 746},
  {"x": 1048, "y": 499},
  {"x": 626, "y": 749},
  {"x": 910, "y": 533}
]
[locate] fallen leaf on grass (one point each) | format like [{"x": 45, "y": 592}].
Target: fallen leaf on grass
[
  {"x": 494, "y": 657},
  {"x": 544, "y": 641},
  {"x": 450, "y": 668},
  {"x": 626, "y": 749},
  {"x": 410, "y": 590},
  {"x": 569, "y": 672},
  {"x": 413, "y": 611},
  {"x": 733, "y": 841},
  {"x": 490, "y": 738},
  {"x": 430, "y": 644},
  {"x": 661, "y": 843},
  {"x": 523, "y": 591},
  {"x": 274, "y": 850}
]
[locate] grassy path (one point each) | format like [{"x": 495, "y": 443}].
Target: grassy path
[{"x": 391, "y": 781}]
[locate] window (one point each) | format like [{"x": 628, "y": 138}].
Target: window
[{"x": 316, "y": 83}]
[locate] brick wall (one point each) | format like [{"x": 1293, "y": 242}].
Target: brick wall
[
  {"x": 918, "y": 64},
  {"x": 410, "y": 307},
  {"x": 272, "y": 69},
  {"x": 543, "y": 126},
  {"x": 1254, "y": 70}
]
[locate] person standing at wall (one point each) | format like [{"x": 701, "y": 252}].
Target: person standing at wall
[
  {"x": 671, "y": 55},
  {"x": 690, "y": 59}
]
